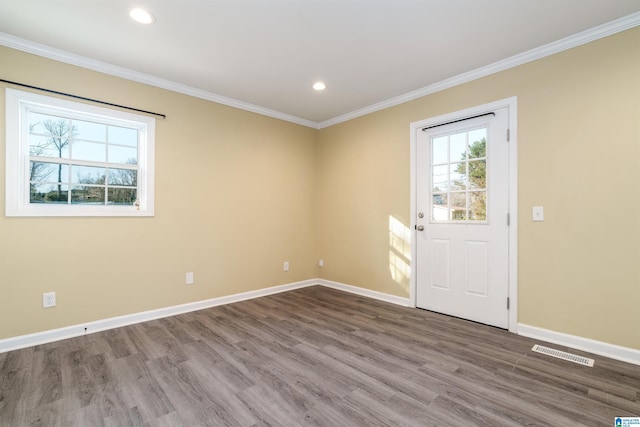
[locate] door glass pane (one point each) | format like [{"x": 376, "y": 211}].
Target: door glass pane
[
  {"x": 458, "y": 206},
  {"x": 478, "y": 174},
  {"x": 458, "y": 144},
  {"x": 440, "y": 209},
  {"x": 440, "y": 150},
  {"x": 440, "y": 178},
  {"x": 478, "y": 205},
  {"x": 478, "y": 143},
  {"x": 458, "y": 176}
]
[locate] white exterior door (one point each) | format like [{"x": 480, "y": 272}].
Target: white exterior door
[{"x": 462, "y": 202}]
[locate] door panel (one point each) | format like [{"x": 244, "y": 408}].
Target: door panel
[
  {"x": 462, "y": 189},
  {"x": 476, "y": 261},
  {"x": 440, "y": 263}
]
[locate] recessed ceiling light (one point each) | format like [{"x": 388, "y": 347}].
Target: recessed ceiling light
[
  {"x": 319, "y": 86},
  {"x": 142, "y": 16}
]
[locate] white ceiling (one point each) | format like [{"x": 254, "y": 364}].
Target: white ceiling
[{"x": 267, "y": 53}]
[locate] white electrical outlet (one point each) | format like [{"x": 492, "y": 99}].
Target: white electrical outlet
[
  {"x": 321, "y": 262},
  {"x": 286, "y": 266},
  {"x": 189, "y": 278},
  {"x": 538, "y": 213},
  {"x": 48, "y": 299}
]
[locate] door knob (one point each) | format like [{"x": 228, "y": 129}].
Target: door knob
[{"x": 420, "y": 228}]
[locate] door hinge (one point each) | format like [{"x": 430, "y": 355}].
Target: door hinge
[
  {"x": 508, "y": 303},
  {"x": 508, "y": 218},
  {"x": 508, "y": 135}
]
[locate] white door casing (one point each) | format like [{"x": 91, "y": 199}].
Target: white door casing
[{"x": 464, "y": 264}]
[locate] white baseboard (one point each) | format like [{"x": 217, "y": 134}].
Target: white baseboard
[
  {"x": 14, "y": 343},
  {"x": 624, "y": 354},
  {"x": 23, "y": 341},
  {"x": 393, "y": 299},
  {"x": 44, "y": 337}
]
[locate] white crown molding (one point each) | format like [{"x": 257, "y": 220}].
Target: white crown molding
[
  {"x": 583, "y": 37},
  {"x": 125, "y": 73}
]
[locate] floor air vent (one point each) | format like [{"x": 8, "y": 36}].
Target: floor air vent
[{"x": 563, "y": 355}]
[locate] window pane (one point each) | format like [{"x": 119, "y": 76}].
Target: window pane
[
  {"x": 125, "y": 155},
  {"x": 91, "y": 151},
  {"x": 478, "y": 205},
  {"x": 458, "y": 206},
  {"x": 44, "y": 147},
  {"x": 87, "y": 195},
  {"x": 48, "y": 193},
  {"x": 37, "y": 121},
  {"x": 48, "y": 172},
  {"x": 87, "y": 175},
  {"x": 458, "y": 176},
  {"x": 439, "y": 207},
  {"x": 90, "y": 131},
  {"x": 458, "y": 144},
  {"x": 478, "y": 174},
  {"x": 122, "y": 196},
  {"x": 126, "y": 177},
  {"x": 440, "y": 178},
  {"x": 123, "y": 136},
  {"x": 439, "y": 151},
  {"x": 51, "y": 134},
  {"x": 478, "y": 144}
]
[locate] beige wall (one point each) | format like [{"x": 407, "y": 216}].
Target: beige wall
[
  {"x": 236, "y": 195},
  {"x": 579, "y": 157}
]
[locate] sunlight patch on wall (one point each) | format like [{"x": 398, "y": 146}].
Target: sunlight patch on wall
[{"x": 399, "y": 253}]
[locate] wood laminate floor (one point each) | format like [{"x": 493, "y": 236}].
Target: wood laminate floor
[{"x": 309, "y": 357}]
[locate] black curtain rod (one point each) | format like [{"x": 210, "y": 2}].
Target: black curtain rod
[
  {"x": 83, "y": 98},
  {"x": 459, "y": 120}
]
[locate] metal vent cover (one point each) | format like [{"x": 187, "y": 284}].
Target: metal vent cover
[{"x": 585, "y": 361}]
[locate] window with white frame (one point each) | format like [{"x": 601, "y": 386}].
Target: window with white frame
[{"x": 66, "y": 158}]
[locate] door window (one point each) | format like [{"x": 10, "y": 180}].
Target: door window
[{"x": 459, "y": 176}]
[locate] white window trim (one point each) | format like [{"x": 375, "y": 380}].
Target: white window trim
[{"x": 17, "y": 157}]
